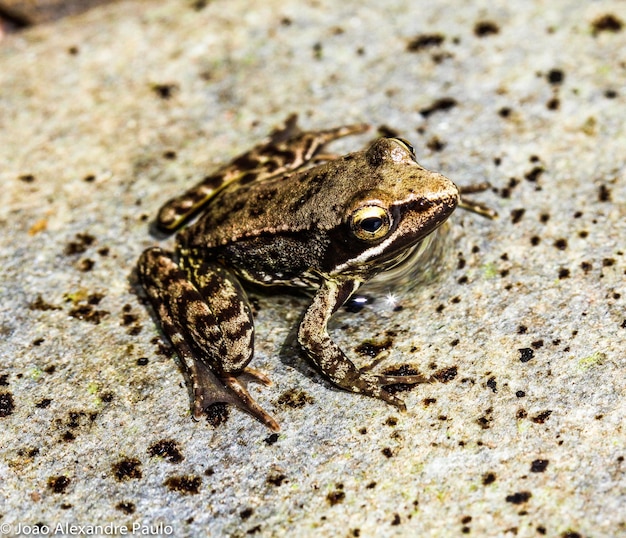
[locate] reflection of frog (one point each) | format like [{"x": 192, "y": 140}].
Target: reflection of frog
[{"x": 328, "y": 228}]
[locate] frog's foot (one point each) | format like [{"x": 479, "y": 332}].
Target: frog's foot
[
  {"x": 374, "y": 385},
  {"x": 472, "y": 205},
  {"x": 209, "y": 389}
]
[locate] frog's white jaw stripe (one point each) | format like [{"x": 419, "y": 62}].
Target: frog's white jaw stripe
[{"x": 417, "y": 220}]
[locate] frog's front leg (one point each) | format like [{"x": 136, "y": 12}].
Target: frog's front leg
[
  {"x": 204, "y": 312},
  {"x": 328, "y": 357}
]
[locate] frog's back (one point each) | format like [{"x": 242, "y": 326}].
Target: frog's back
[{"x": 295, "y": 205}]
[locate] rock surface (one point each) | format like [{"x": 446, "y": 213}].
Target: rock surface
[{"x": 106, "y": 115}]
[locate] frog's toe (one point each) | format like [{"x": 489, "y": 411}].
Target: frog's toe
[
  {"x": 209, "y": 389},
  {"x": 386, "y": 380}
]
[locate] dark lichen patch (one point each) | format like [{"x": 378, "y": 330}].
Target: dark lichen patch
[
  {"x": 337, "y": 496},
  {"x": 185, "y": 484},
  {"x": 58, "y": 484},
  {"x": 555, "y": 77},
  {"x": 85, "y": 265},
  {"x": 87, "y": 312},
  {"x": 519, "y": 498},
  {"x": 606, "y": 23},
  {"x": 246, "y": 513},
  {"x": 127, "y": 469},
  {"x": 446, "y": 374},
  {"x": 40, "y": 304},
  {"x": 561, "y": 244},
  {"x": 391, "y": 421},
  {"x": 43, "y": 403},
  {"x": 396, "y": 520},
  {"x": 553, "y": 104},
  {"x": 539, "y": 466},
  {"x": 492, "y": 384},
  {"x": 166, "y": 449},
  {"x": 435, "y": 144},
  {"x": 276, "y": 478},
  {"x": 526, "y": 354},
  {"x": 485, "y": 28},
  {"x": 439, "y": 105},
  {"x": 534, "y": 174},
  {"x": 388, "y": 452},
  {"x": 295, "y": 398},
  {"x": 604, "y": 194},
  {"x": 4, "y": 380},
  {"x": 165, "y": 91},
  {"x": 7, "y": 405},
  {"x": 373, "y": 348},
  {"x": 26, "y": 178},
  {"x": 216, "y": 414},
  {"x": 488, "y": 478},
  {"x": 563, "y": 273},
  {"x": 80, "y": 244},
  {"x": 571, "y": 534},
  {"x": 540, "y": 418},
  {"x": 485, "y": 420},
  {"x": 126, "y": 507},
  {"x": 271, "y": 439},
  {"x": 424, "y": 41},
  {"x": 517, "y": 214}
]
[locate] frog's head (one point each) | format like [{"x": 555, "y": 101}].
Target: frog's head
[{"x": 401, "y": 204}]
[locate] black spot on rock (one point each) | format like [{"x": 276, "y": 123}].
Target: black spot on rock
[
  {"x": 126, "y": 469},
  {"x": 519, "y": 497},
  {"x": 185, "y": 484},
  {"x": 7, "y": 405},
  {"x": 58, "y": 484},
  {"x": 166, "y": 449},
  {"x": 539, "y": 466}
]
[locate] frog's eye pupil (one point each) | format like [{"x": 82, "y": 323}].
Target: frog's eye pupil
[{"x": 371, "y": 224}]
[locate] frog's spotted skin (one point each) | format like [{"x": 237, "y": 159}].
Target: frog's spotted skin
[
  {"x": 287, "y": 149},
  {"x": 328, "y": 228}
]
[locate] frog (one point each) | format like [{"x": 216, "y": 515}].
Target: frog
[{"x": 287, "y": 214}]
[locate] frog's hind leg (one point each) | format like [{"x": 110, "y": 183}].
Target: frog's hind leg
[
  {"x": 209, "y": 325},
  {"x": 286, "y": 150}
]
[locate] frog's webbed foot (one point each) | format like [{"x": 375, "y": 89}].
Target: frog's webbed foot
[
  {"x": 208, "y": 389},
  {"x": 205, "y": 314},
  {"x": 383, "y": 380}
]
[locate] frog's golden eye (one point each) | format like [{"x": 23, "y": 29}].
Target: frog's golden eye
[
  {"x": 407, "y": 145},
  {"x": 370, "y": 223}
]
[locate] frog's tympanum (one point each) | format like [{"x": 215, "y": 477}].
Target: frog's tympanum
[{"x": 269, "y": 219}]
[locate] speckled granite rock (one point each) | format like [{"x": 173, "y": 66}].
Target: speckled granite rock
[{"x": 104, "y": 116}]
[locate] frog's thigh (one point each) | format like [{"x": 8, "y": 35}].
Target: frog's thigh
[
  {"x": 229, "y": 306},
  {"x": 186, "y": 318}
]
